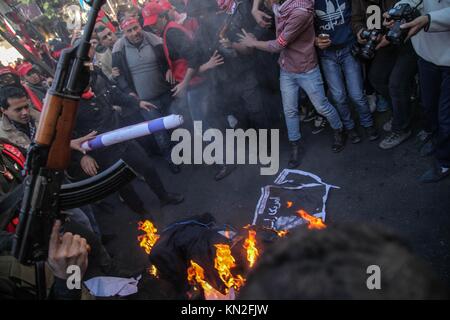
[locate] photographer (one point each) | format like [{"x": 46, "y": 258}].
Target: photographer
[
  {"x": 392, "y": 72},
  {"x": 341, "y": 70},
  {"x": 430, "y": 35}
]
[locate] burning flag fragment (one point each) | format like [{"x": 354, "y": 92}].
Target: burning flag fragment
[
  {"x": 313, "y": 222},
  {"x": 250, "y": 247},
  {"x": 289, "y": 204},
  {"x": 147, "y": 240}
]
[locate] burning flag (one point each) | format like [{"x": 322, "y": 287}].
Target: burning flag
[
  {"x": 314, "y": 223},
  {"x": 147, "y": 240},
  {"x": 250, "y": 247}
]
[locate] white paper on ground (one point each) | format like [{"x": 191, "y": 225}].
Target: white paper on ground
[{"x": 112, "y": 286}]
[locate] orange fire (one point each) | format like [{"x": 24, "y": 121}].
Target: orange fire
[
  {"x": 314, "y": 223},
  {"x": 147, "y": 240},
  {"x": 223, "y": 263},
  {"x": 282, "y": 233},
  {"x": 153, "y": 271},
  {"x": 196, "y": 276},
  {"x": 289, "y": 204},
  {"x": 250, "y": 246}
]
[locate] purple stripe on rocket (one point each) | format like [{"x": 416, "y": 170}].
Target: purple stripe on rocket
[
  {"x": 156, "y": 125},
  {"x": 96, "y": 143}
]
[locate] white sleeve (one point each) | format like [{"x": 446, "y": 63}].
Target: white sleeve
[{"x": 439, "y": 20}]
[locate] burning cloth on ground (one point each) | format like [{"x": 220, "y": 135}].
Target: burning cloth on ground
[
  {"x": 183, "y": 241},
  {"x": 292, "y": 190}
]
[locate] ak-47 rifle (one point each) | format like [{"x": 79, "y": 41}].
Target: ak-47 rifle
[{"x": 49, "y": 155}]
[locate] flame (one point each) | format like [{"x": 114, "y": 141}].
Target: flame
[
  {"x": 153, "y": 271},
  {"x": 250, "y": 246},
  {"x": 282, "y": 233},
  {"x": 223, "y": 263},
  {"x": 314, "y": 223},
  {"x": 147, "y": 240},
  {"x": 196, "y": 275},
  {"x": 289, "y": 204}
]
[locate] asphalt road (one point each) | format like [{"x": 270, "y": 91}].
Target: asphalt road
[{"x": 377, "y": 186}]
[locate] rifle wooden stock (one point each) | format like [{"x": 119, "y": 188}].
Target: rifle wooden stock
[{"x": 55, "y": 130}]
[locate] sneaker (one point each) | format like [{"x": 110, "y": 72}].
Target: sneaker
[
  {"x": 372, "y": 133},
  {"x": 338, "y": 141},
  {"x": 172, "y": 198},
  {"x": 435, "y": 174},
  {"x": 388, "y": 126},
  {"x": 309, "y": 116},
  {"x": 394, "y": 139},
  {"x": 232, "y": 121},
  {"x": 382, "y": 104},
  {"x": 423, "y": 137},
  {"x": 320, "y": 123},
  {"x": 372, "y": 99},
  {"x": 354, "y": 136}
]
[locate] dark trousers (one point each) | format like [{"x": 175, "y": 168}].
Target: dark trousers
[
  {"x": 243, "y": 98},
  {"x": 392, "y": 74},
  {"x": 135, "y": 156},
  {"x": 162, "y": 137},
  {"x": 435, "y": 90}
]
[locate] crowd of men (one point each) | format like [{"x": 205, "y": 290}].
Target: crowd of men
[{"x": 207, "y": 57}]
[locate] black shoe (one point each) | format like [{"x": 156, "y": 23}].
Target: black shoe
[
  {"x": 171, "y": 198},
  {"x": 320, "y": 123},
  {"x": 294, "y": 159},
  {"x": 174, "y": 168},
  {"x": 338, "y": 141},
  {"x": 372, "y": 133},
  {"x": 354, "y": 136},
  {"x": 223, "y": 172},
  {"x": 434, "y": 174}
]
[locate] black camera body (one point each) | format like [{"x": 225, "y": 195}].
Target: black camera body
[
  {"x": 367, "y": 51},
  {"x": 401, "y": 14}
]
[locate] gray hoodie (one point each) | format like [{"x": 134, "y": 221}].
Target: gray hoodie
[{"x": 433, "y": 44}]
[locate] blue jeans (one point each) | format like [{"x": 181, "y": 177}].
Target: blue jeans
[
  {"x": 343, "y": 74},
  {"x": 311, "y": 82}
]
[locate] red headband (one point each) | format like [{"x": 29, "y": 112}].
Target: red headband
[{"x": 128, "y": 22}]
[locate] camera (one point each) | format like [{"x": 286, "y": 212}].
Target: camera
[
  {"x": 367, "y": 51},
  {"x": 401, "y": 14}
]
